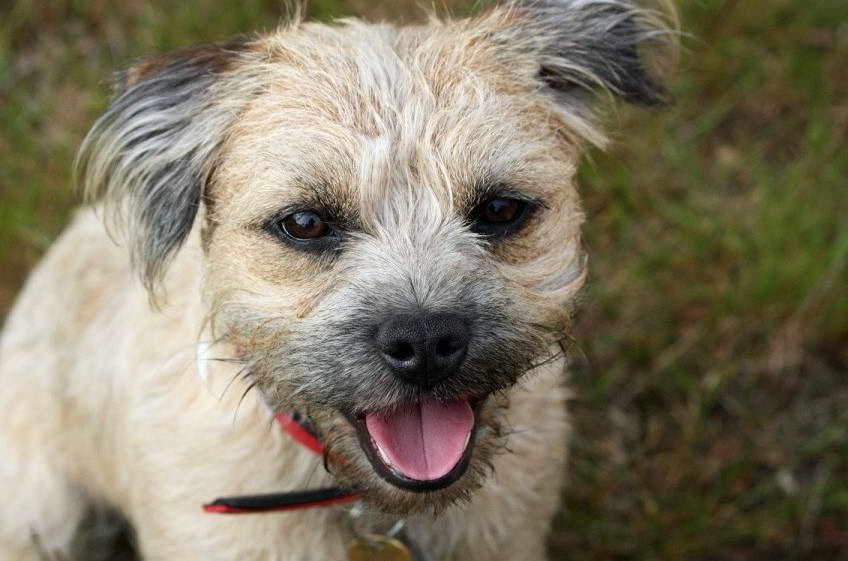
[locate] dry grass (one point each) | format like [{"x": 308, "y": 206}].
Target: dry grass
[{"x": 712, "y": 409}]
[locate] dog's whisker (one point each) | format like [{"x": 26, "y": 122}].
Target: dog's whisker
[
  {"x": 307, "y": 483},
  {"x": 241, "y": 373},
  {"x": 225, "y": 359},
  {"x": 241, "y": 399}
]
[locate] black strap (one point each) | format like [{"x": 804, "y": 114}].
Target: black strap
[{"x": 280, "y": 501}]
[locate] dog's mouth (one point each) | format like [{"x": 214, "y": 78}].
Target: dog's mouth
[{"x": 421, "y": 446}]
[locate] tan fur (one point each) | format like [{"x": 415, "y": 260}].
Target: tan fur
[{"x": 398, "y": 129}]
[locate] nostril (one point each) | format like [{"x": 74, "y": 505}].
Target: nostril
[
  {"x": 447, "y": 346},
  {"x": 421, "y": 348},
  {"x": 400, "y": 350}
]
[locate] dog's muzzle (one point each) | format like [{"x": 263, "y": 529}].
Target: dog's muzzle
[{"x": 426, "y": 444}]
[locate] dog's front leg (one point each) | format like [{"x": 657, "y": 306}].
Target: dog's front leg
[
  {"x": 197, "y": 448},
  {"x": 42, "y": 508},
  {"x": 171, "y": 533}
]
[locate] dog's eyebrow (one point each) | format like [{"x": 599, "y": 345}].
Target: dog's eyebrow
[
  {"x": 335, "y": 202},
  {"x": 488, "y": 188}
]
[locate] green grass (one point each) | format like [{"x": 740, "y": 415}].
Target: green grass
[{"x": 712, "y": 408}]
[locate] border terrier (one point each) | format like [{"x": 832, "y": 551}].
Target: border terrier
[{"x": 373, "y": 226}]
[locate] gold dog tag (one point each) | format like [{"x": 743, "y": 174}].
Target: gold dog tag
[{"x": 377, "y": 548}]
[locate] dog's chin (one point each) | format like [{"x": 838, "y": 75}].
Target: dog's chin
[{"x": 415, "y": 457}]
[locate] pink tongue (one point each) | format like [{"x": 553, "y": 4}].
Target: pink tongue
[{"x": 423, "y": 441}]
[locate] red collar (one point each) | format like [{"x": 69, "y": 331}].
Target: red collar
[{"x": 292, "y": 500}]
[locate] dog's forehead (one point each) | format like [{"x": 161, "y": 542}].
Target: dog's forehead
[{"x": 370, "y": 115}]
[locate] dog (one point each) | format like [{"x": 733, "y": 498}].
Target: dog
[{"x": 373, "y": 228}]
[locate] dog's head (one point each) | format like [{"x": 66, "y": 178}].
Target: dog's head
[{"x": 388, "y": 215}]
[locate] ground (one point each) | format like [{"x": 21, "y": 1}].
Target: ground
[{"x": 711, "y": 402}]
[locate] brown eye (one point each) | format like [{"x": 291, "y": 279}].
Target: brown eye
[
  {"x": 305, "y": 225},
  {"x": 501, "y": 211},
  {"x": 500, "y": 217}
]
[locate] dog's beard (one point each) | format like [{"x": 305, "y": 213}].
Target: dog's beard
[
  {"x": 332, "y": 363},
  {"x": 334, "y": 390},
  {"x": 325, "y": 367}
]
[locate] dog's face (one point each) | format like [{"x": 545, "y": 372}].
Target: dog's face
[{"x": 390, "y": 223}]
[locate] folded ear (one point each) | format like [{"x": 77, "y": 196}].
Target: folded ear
[
  {"x": 149, "y": 156},
  {"x": 584, "y": 47}
]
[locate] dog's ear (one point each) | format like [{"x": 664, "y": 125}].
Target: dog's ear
[
  {"x": 580, "y": 48},
  {"x": 149, "y": 156}
]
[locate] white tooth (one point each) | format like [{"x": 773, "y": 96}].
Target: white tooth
[{"x": 380, "y": 451}]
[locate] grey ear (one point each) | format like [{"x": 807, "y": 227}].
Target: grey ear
[
  {"x": 150, "y": 154},
  {"x": 585, "y": 45}
]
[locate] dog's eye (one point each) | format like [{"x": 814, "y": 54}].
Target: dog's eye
[
  {"x": 501, "y": 211},
  {"x": 304, "y": 225},
  {"x": 499, "y": 217}
]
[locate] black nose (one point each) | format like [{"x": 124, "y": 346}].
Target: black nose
[{"x": 423, "y": 349}]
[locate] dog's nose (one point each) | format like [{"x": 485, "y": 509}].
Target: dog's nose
[{"x": 423, "y": 349}]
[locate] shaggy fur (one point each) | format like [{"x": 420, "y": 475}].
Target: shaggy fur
[{"x": 395, "y": 135}]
